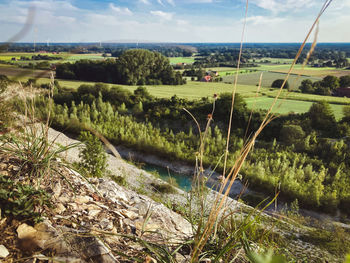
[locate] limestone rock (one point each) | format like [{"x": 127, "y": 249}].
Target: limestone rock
[
  {"x": 83, "y": 199},
  {"x": 3, "y": 251},
  {"x": 60, "y": 208},
  {"x": 26, "y": 232}
]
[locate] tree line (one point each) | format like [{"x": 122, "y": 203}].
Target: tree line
[{"x": 133, "y": 67}]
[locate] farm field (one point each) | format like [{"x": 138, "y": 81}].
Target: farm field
[
  {"x": 287, "y": 106},
  {"x": 176, "y": 60},
  {"x": 273, "y": 60},
  {"x": 67, "y": 57},
  {"x": 267, "y": 79}
]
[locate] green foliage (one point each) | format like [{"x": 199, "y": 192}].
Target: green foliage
[
  {"x": 344, "y": 81},
  {"x": 278, "y": 84},
  {"x": 93, "y": 156},
  {"x": 322, "y": 117},
  {"x": 313, "y": 176},
  {"x": 266, "y": 258},
  {"x": 36, "y": 154},
  {"x": 336, "y": 241},
  {"x": 163, "y": 188},
  {"x": 133, "y": 67},
  {"x": 22, "y": 201},
  {"x": 330, "y": 82},
  {"x": 347, "y": 260},
  {"x": 4, "y": 81},
  {"x": 307, "y": 86},
  {"x": 119, "y": 180},
  {"x": 292, "y": 134}
]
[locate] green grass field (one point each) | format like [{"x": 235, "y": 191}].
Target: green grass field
[
  {"x": 176, "y": 60},
  {"x": 267, "y": 79},
  {"x": 288, "y": 106},
  {"x": 67, "y": 57},
  {"x": 273, "y": 60}
]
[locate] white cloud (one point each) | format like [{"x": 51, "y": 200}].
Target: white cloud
[
  {"x": 200, "y": 1},
  {"x": 163, "y": 15},
  {"x": 160, "y": 2},
  {"x": 171, "y": 2},
  {"x": 263, "y": 20},
  {"x": 146, "y": 2},
  {"x": 277, "y": 6},
  {"x": 120, "y": 10}
]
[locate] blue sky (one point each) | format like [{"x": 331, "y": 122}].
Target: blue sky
[{"x": 173, "y": 20}]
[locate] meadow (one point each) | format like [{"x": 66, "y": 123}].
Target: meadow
[
  {"x": 268, "y": 77},
  {"x": 176, "y": 60},
  {"x": 66, "y": 57},
  {"x": 285, "y": 106}
]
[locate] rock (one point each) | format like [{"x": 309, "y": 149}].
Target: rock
[
  {"x": 82, "y": 199},
  {"x": 93, "y": 213},
  {"x": 26, "y": 232},
  {"x": 64, "y": 199},
  {"x": 3, "y": 251},
  {"x": 57, "y": 189},
  {"x": 106, "y": 224},
  {"x": 60, "y": 208},
  {"x": 129, "y": 214}
]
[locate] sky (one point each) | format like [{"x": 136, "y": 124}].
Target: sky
[{"x": 172, "y": 20}]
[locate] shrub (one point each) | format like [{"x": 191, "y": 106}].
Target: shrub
[
  {"x": 163, "y": 188},
  {"x": 278, "y": 83},
  {"x": 93, "y": 156}
]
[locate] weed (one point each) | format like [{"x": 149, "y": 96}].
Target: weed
[
  {"x": 336, "y": 241},
  {"x": 120, "y": 180},
  {"x": 163, "y": 188},
  {"x": 22, "y": 201}
]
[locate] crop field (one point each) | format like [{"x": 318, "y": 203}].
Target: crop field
[
  {"x": 267, "y": 79},
  {"x": 19, "y": 73},
  {"x": 307, "y": 97},
  {"x": 67, "y": 57},
  {"x": 288, "y": 106},
  {"x": 273, "y": 60},
  {"x": 176, "y": 60}
]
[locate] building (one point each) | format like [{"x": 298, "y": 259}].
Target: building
[
  {"x": 212, "y": 73},
  {"x": 343, "y": 92},
  {"x": 206, "y": 78}
]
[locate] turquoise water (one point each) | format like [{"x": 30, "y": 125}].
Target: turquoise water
[{"x": 183, "y": 181}]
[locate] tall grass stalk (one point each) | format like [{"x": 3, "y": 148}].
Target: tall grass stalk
[{"x": 218, "y": 206}]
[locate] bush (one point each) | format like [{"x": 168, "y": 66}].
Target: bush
[
  {"x": 93, "y": 156},
  {"x": 163, "y": 188},
  {"x": 291, "y": 134},
  {"x": 278, "y": 84}
]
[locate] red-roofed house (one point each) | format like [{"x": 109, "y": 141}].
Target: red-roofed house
[{"x": 206, "y": 78}]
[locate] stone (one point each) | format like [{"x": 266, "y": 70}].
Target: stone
[
  {"x": 57, "y": 189},
  {"x": 3, "y": 251},
  {"x": 83, "y": 199},
  {"x": 94, "y": 212},
  {"x": 60, "y": 208},
  {"x": 129, "y": 214},
  {"x": 26, "y": 232},
  {"x": 106, "y": 224}
]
